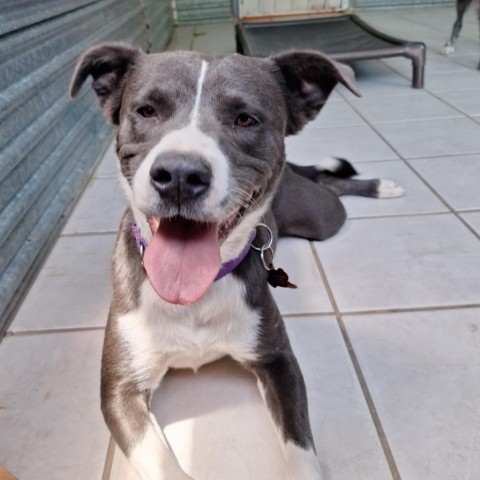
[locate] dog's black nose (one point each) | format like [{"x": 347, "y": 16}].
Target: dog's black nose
[{"x": 180, "y": 178}]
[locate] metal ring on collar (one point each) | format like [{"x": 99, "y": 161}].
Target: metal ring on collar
[
  {"x": 267, "y": 266},
  {"x": 267, "y": 245}
]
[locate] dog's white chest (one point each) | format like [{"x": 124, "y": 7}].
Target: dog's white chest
[{"x": 159, "y": 335}]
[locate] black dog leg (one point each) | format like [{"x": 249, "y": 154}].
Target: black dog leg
[{"x": 462, "y": 5}]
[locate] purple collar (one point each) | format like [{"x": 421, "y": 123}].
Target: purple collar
[
  {"x": 226, "y": 268},
  {"x": 231, "y": 265},
  {"x": 141, "y": 243}
]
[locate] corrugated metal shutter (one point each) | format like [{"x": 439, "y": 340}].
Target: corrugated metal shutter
[
  {"x": 259, "y": 8},
  {"x": 400, "y": 3},
  {"x": 49, "y": 144},
  {"x": 159, "y": 21},
  {"x": 198, "y": 11}
]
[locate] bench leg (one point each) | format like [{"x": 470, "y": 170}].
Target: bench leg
[{"x": 417, "y": 53}]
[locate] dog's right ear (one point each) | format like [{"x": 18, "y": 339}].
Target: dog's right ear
[
  {"x": 108, "y": 65},
  {"x": 309, "y": 77}
]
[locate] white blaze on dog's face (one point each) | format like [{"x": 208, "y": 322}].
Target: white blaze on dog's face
[{"x": 201, "y": 144}]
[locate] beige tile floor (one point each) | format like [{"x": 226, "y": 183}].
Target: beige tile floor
[{"x": 386, "y": 322}]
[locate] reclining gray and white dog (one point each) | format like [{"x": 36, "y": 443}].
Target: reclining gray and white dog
[{"x": 200, "y": 141}]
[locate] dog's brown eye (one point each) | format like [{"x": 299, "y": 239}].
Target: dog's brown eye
[
  {"x": 146, "y": 111},
  {"x": 244, "y": 120}
]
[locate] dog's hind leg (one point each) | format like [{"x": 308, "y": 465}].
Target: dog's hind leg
[
  {"x": 374, "y": 188},
  {"x": 449, "y": 47},
  {"x": 307, "y": 205},
  {"x": 337, "y": 179},
  {"x": 303, "y": 208}
]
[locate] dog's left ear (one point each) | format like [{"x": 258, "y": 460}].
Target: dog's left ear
[{"x": 309, "y": 78}]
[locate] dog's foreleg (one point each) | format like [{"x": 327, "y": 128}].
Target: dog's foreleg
[
  {"x": 138, "y": 435},
  {"x": 449, "y": 48},
  {"x": 131, "y": 370},
  {"x": 282, "y": 387}
]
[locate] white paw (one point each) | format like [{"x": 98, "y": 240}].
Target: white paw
[
  {"x": 302, "y": 464},
  {"x": 447, "y": 50},
  {"x": 389, "y": 189}
]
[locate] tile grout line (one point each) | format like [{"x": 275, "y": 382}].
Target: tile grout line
[
  {"x": 307, "y": 314},
  {"x": 107, "y": 469},
  {"x": 399, "y": 215},
  {"x": 424, "y": 157},
  {"x": 452, "y": 210},
  {"x": 418, "y": 120},
  {"x": 457, "y": 214},
  {"x": 47, "y": 331},
  {"x": 438, "y": 97},
  {"x": 385, "y": 311},
  {"x": 421, "y": 157},
  {"x": 419, "y": 176},
  {"x": 358, "y": 371},
  {"x": 469, "y": 210},
  {"x": 423, "y": 24},
  {"x": 88, "y": 234},
  {"x": 106, "y": 176}
]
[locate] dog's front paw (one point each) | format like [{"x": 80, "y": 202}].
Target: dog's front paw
[
  {"x": 185, "y": 477},
  {"x": 304, "y": 472},
  {"x": 302, "y": 465},
  {"x": 178, "y": 475},
  {"x": 447, "y": 50},
  {"x": 389, "y": 189}
]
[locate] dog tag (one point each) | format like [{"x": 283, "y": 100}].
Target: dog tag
[{"x": 277, "y": 277}]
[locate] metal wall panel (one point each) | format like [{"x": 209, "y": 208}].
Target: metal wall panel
[
  {"x": 48, "y": 144},
  {"x": 159, "y": 21},
  {"x": 198, "y": 11}
]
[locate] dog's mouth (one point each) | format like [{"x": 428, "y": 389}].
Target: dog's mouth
[
  {"x": 231, "y": 222},
  {"x": 183, "y": 258}
]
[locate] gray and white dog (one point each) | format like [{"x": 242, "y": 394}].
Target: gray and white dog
[{"x": 200, "y": 141}]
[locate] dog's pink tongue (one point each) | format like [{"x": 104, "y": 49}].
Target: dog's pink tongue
[{"x": 182, "y": 260}]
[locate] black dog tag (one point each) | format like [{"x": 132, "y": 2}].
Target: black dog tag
[{"x": 277, "y": 277}]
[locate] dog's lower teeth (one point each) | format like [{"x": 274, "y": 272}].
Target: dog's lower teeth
[{"x": 232, "y": 222}]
